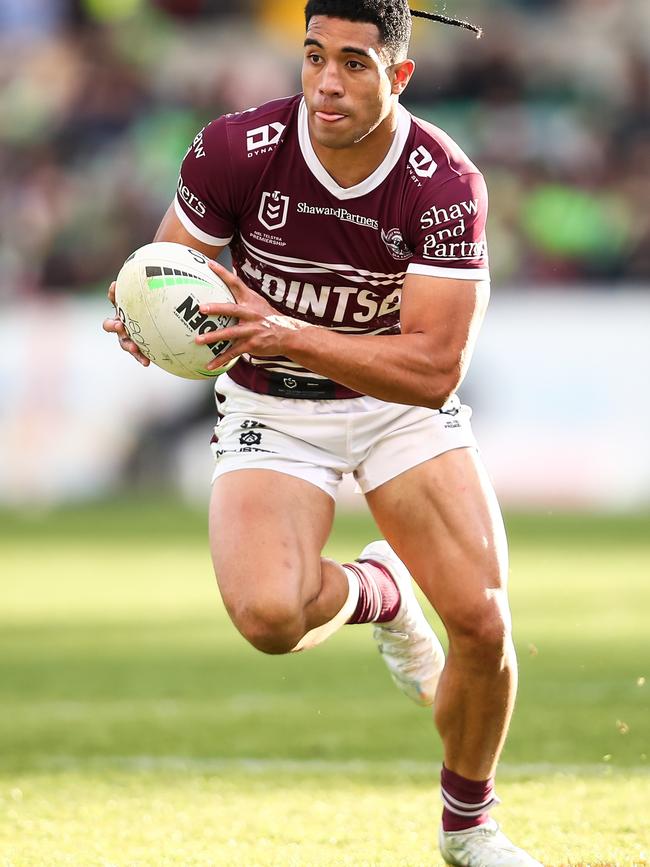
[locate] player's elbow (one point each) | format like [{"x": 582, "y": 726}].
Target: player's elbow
[{"x": 441, "y": 382}]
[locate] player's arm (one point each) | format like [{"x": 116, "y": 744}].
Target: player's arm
[
  {"x": 171, "y": 229},
  {"x": 423, "y": 365}
]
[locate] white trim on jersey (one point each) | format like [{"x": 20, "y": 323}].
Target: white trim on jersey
[
  {"x": 199, "y": 234},
  {"x": 372, "y": 181},
  {"x": 454, "y": 273},
  {"x": 318, "y": 267}
]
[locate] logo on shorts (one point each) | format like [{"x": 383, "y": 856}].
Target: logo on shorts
[
  {"x": 396, "y": 244},
  {"x": 290, "y": 382},
  {"x": 274, "y": 209},
  {"x": 250, "y": 438}
]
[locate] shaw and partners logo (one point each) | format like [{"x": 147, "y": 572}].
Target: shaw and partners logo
[
  {"x": 198, "y": 146},
  {"x": 339, "y": 213},
  {"x": 274, "y": 210},
  {"x": 263, "y": 138},
  {"x": 192, "y": 201}
]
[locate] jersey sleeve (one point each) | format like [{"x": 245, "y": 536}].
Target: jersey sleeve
[
  {"x": 449, "y": 230},
  {"x": 204, "y": 200}
]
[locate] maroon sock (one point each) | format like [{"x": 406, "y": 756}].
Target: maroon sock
[
  {"x": 466, "y": 802},
  {"x": 379, "y": 598}
]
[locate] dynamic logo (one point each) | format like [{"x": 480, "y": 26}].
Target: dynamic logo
[
  {"x": 422, "y": 163},
  {"x": 262, "y": 138},
  {"x": 396, "y": 244},
  {"x": 274, "y": 209}
]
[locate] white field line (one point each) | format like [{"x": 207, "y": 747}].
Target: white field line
[{"x": 359, "y": 767}]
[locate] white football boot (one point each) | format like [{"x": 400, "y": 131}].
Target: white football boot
[
  {"x": 410, "y": 648},
  {"x": 484, "y": 846}
]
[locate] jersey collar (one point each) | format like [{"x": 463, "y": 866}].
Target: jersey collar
[{"x": 372, "y": 181}]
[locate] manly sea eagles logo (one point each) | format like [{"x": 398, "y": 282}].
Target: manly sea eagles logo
[
  {"x": 396, "y": 244},
  {"x": 274, "y": 209}
]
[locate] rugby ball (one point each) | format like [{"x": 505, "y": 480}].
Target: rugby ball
[{"x": 158, "y": 294}]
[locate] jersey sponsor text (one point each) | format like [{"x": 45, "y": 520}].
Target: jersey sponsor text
[
  {"x": 337, "y": 304},
  {"x": 339, "y": 213},
  {"x": 437, "y": 216},
  {"x": 436, "y": 249},
  {"x": 192, "y": 201},
  {"x": 197, "y": 145}
]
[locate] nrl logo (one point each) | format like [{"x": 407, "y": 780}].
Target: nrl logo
[
  {"x": 274, "y": 209},
  {"x": 396, "y": 244}
]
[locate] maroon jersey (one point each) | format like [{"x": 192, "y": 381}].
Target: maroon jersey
[{"x": 325, "y": 254}]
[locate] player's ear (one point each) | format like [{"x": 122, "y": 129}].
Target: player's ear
[{"x": 401, "y": 75}]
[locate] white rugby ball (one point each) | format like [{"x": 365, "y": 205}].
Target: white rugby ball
[{"x": 158, "y": 293}]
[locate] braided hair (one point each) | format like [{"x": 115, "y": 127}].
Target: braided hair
[{"x": 444, "y": 19}]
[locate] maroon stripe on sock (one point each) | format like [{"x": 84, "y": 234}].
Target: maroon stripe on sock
[
  {"x": 379, "y": 598},
  {"x": 471, "y": 794},
  {"x": 390, "y": 595}
]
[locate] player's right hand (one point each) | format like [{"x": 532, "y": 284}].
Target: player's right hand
[{"x": 115, "y": 325}]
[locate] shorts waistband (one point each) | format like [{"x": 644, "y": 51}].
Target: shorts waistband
[
  {"x": 285, "y": 385},
  {"x": 302, "y": 388}
]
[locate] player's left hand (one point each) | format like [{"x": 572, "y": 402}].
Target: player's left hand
[{"x": 261, "y": 330}]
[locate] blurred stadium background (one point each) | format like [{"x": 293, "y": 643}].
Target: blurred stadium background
[
  {"x": 98, "y": 102},
  {"x": 104, "y": 467}
]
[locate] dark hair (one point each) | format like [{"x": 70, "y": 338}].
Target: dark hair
[{"x": 393, "y": 19}]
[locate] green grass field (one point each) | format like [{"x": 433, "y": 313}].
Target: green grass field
[{"x": 137, "y": 729}]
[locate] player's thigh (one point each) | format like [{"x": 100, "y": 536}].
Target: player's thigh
[
  {"x": 443, "y": 520},
  {"x": 267, "y": 531}
]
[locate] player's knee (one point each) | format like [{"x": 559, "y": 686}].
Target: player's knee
[
  {"x": 482, "y": 629},
  {"x": 273, "y": 627}
]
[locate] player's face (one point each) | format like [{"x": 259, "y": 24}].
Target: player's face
[{"x": 348, "y": 82}]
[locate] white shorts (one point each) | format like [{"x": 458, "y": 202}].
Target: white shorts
[{"x": 320, "y": 440}]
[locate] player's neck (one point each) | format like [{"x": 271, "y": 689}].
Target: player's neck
[{"x": 352, "y": 165}]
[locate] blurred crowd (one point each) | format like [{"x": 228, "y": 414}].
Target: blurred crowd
[{"x": 99, "y": 100}]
